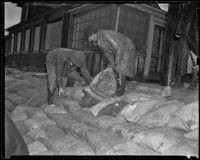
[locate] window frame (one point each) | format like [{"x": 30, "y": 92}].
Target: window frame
[
  {"x": 24, "y": 48},
  {"x": 20, "y": 47},
  {"x": 74, "y": 22},
  {"x": 40, "y": 34},
  {"x": 12, "y": 43}
]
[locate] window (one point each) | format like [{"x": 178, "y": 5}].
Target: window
[
  {"x": 134, "y": 24},
  {"x": 53, "y": 35},
  {"x": 36, "y": 44},
  {"x": 86, "y": 24},
  {"x": 12, "y": 43},
  {"x": 19, "y": 36},
  {"x": 27, "y": 39}
]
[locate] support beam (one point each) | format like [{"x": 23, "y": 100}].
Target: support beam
[
  {"x": 149, "y": 48},
  {"x": 65, "y": 30}
]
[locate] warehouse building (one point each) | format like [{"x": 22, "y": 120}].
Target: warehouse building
[{"x": 44, "y": 27}]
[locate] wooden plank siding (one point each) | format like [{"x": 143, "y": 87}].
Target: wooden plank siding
[{"x": 96, "y": 60}]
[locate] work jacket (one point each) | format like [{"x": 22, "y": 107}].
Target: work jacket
[
  {"x": 66, "y": 61},
  {"x": 119, "y": 50}
]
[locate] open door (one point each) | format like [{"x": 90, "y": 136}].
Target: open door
[{"x": 157, "y": 49}]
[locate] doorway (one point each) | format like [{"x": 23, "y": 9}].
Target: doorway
[{"x": 157, "y": 49}]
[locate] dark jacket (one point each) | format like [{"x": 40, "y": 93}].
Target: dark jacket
[
  {"x": 66, "y": 60},
  {"x": 14, "y": 142}
]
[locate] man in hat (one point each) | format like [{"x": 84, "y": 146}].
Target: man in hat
[{"x": 64, "y": 62}]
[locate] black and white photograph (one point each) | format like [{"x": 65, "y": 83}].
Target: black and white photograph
[{"x": 101, "y": 79}]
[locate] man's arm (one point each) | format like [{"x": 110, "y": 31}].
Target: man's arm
[
  {"x": 86, "y": 74},
  {"x": 60, "y": 72}
]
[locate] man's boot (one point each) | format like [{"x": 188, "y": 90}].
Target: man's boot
[
  {"x": 50, "y": 96},
  {"x": 193, "y": 83},
  {"x": 121, "y": 84}
]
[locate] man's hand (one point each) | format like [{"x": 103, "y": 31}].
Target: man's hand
[{"x": 61, "y": 92}]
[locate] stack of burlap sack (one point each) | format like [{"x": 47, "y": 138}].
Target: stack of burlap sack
[{"x": 171, "y": 127}]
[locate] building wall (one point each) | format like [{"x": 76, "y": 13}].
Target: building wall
[
  {"x": 71, "y": 28},
  {"x": 85, "y": 22}
]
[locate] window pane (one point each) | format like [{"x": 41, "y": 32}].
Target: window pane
[
  {"x": 19, "y": 41},
  {"x": 88, "y": 24},
  {"x": 92, "y": 15},
  {"x": 87, "y": 17},
  {"x": 12, "y": 43},
  {"x": 134, "y": 26},
  {"x": 27, "y": 39},
  {"x": 75, "y": 20},
  {"x": 37, "y": 39},
  {"x": 73, "y": 44},
  {"x": 53, "y": 35}
]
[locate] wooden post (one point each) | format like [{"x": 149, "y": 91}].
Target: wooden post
[
  {"x": 43, "y": 35},
  {"x": 65, "y": 33},
  {"x": 117, "y": 18},
  {"x": 167, "y": 68},
  {"x": 149, "y": 48}
]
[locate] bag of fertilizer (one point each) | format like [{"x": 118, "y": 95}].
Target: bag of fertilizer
[
  {"x": 183, "y": 149},
  {"x": 75, "y": 93},
  {"x": 37, "y": 100},
  {"x": 130, "y": 148},
  {"x": 101, "y": 142},
  {"x": 159, "y": 139},
  {"x": 194, "y": 134},
  {"x": 99, "y": 106},
  {"x": 9, "y": 105},
  {"x": 55, "y": 109},
  {"x": 134, "y": 112},
  {"x": 36, "y": 133},
  {"x": 186, "y": 118},
  {"x": 21, "y": 128},
  {"x": 79, "y": 130},
  {"x": 15, "y": 99},
  {"x": 134, "y": 96},
  {"x": 80, "y": 148},
  {"x": 106, "y": 122},
  {"x": 88, "y": 101},
  {"x": 46, "y": 153},
  {"x": 54, "y": 138},
  {"x": 166, "y": 92},
  {"x": 113, "y": 109},
  {"x": 19, "y": 114},
  {"x": 9, "y": 81},
  {"x": 160, "y": 116},
  {"x": 36, "y": 147},
  {"x": 27, "y": 93},
  {"x": 104, "y": 84},
  {"x": 21, "y": 85},
  {"x": 126, "y": 131},
  {"x": 39, "y": 122}
]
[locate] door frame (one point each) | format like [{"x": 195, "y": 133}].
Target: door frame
[{"x": 153, "y": 22}]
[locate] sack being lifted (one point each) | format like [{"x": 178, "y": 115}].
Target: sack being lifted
[
  {"x": 103, "y": 86},
  {"x": 120, "y": 52}
]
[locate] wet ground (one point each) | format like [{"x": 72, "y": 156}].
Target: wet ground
[{"x": 67, "y": 129}]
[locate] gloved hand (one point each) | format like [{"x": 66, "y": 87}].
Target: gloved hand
[{"x": 61, "y": 92}]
